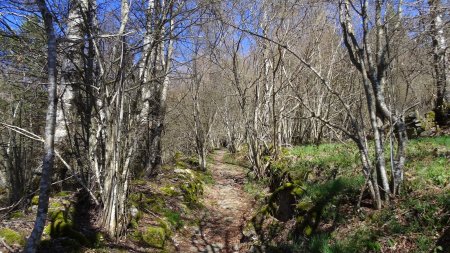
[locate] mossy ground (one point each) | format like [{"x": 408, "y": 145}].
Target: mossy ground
[
  {"x": 12, "y": 237},
  {"x": 166, "y": 205}
]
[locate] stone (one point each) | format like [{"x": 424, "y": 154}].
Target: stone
[
  {"x": 134, "y": 211},
  {"x": 154, "y": 237},
  {"x": 220, "y": 245}
]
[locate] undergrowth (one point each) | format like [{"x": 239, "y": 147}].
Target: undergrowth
[{"x": 326, "y": 217}]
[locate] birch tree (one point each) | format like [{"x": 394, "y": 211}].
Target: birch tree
[
  {"x": 440, "y": 61},
  {"x": 155, "y": 76},
  {"x": 373, "y": 61},
  {"x": 47, "y": 163}
]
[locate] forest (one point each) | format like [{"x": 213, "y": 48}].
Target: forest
[{"x": 278, "y": 126}]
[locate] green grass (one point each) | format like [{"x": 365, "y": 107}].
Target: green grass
[
  {"x": 238, "y": 159},
  {"x": 327, "y": 158},
  {"x": 428, "y": 163},
  {"x": 331, "y": 174},
  {"x": 255, "y": 189},
  {"x": 174, "y": 218}
]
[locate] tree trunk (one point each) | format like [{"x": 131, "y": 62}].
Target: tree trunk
[
  {"x": 162, "y": 59},
  {"x": 120, "y": 145},
  {"x": 441, "y": 63},
  {"x": 47, "y": 163}
]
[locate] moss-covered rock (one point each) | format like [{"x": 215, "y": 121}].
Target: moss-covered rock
[
  {"x": 169, "y": 191},
  {"x": 154, "y": 237},
  {"x": 12, "y": 237},
  {"x": 61, "y": 223},
  {"x": 192, "y": 190},
  {"x": 35, "y": 200},
  {"x": 63, "y": 194},
  {"x": 133, "y": 223},
  {"x": 60, "y": 228},
  {"x": 141, "y": 201},
  {"x": 428, "y": 121}
]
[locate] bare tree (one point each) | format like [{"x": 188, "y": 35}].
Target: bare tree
[
  {"x": 47, "y": 163},
  {"x": 441, "y": 62},
  {"x": 373, "y": 64}
]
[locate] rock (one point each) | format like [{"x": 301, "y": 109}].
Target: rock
[
  {"x": 248, "y": 232},
  {"x": 154, "y": 237},
  {"x": 134, "y": 211},
  {"x": 217, "y": 246},
  {"x": 235, "y": 247},
  {"x": 184, "y": 171}
]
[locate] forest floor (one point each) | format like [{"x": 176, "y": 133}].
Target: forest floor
[
  {"x": 227, "y": 209},
  {"x": 183, "y": 210}
]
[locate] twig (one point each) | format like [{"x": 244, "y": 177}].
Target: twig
[
  {"x": 6, "y": 245},
  {"x": 36, "y": 137}
]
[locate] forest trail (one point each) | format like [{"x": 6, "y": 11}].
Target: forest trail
[{"x": 227, "y": 208}]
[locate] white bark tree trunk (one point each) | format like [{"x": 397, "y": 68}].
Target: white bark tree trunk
[
  {"x": 47, "y": 163},
  {"x": 441, "y": 63}
]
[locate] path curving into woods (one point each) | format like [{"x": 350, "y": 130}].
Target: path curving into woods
[{"x": 227, "y": 210}]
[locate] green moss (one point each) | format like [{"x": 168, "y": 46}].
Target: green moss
[
  {"x": 138, "y": 182},
  {"x": 205, "y": 177},
  {"x": 193, "y": 161},
  {"x": 61, "y": 228},
  {"x": 181, "y": 164},
  {"x": 154, "y": 203},
  {"x": 136, "y": 236},
  {"x": 174, "y": 219},
  {"x": 17, "y": 215},
  {"x": 169, "y": 191},
  {"x": 97, "y": 240},
  {"x": 428, "y": 121},
  {"x": 177, "y": 156},
  {"x": 63, "y": 194},
  {"x": 166, "y": 225},
  {"x": 54, "y": 215},
  {"x": 191, "y": 192},
  {"x": 154, "y": 237},
  {"x": 35, "y": 200},
  {"x": 61, "y": 223},
  {"x": 12, "y": 237},
  {"x": 133, "y": 224}
]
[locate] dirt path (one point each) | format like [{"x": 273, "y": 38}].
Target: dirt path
[{"x": 227, "y": 209}]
